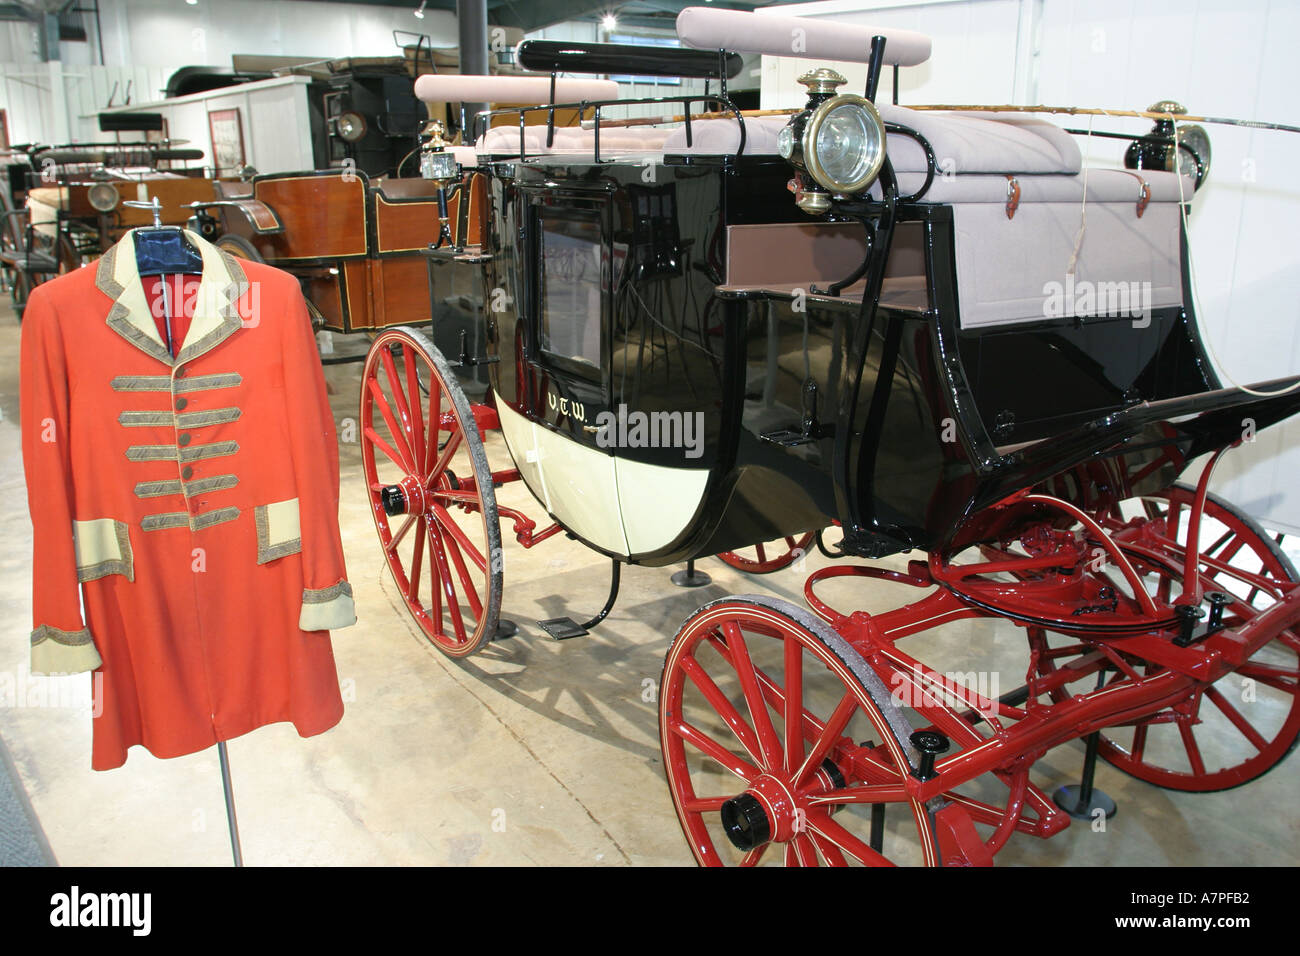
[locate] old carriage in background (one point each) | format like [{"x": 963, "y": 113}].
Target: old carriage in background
[
  {"x": 870, "y": 347},
  {"x": 358, "y": 243},
  {"x": 64, "y": 204}
]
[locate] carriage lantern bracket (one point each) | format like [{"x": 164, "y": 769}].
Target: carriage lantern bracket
[
  {"x": 845, "y": 164},
  {"x": 821, "y": 85},
  {"x": 439, "y": 165}
]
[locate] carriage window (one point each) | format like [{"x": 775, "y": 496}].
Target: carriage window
[{"x": 574, "y": 266}]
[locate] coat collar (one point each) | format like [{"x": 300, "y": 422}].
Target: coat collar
[{"x": 216, "y": 315}]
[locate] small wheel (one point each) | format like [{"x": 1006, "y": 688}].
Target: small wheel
[
  {"x": 1247, "y": 722},
  {"x": 431, "y": 491},
  {"x": 239, "y": 247},
  {"x": 751, "y": 786},
  {"x": 766, "y": 557}
]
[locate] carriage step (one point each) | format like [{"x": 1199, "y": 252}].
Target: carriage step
[
  {"x": 562, "y": 628},
  {"x": 788, "y": 437}
]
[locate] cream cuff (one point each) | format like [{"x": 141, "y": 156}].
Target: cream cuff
[
  {"x": 327, "y": 609},
  {"x": 63, "y": 652}
]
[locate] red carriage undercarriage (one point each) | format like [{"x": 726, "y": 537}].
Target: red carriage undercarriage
[
  {"x": 1108, "y": 602},
  {"x": 1159, "y": 620}
]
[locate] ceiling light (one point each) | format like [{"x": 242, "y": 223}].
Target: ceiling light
[
  {"x": 419, "y": 11},
  {"x": 609, "y": 22}
]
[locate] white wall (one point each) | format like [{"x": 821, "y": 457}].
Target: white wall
[
  {"x": 1234, "y": 58},
  {"x": 171, "y": 33},
  {"x": 145, "y": 41}
]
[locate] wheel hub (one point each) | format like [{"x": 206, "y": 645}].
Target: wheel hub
[
  {"x": 407, "y": 497},
  {"x": 745, "y": 822}
]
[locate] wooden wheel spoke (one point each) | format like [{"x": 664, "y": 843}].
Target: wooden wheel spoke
[
  {"x": 828, "y": 850},
  {"x": 705, "y": 804},
  {"x": 407, "y": 462},
  {"x": 434, "y": 420},
  {"x": 1139, "y": 741},
  {"x": 449, "y": 525},
  {"x": 464, "y": 497},
  {"x": 760, "y": 717},
  {"x": 401, "y": 533},
  {"x": 711, "y": 748},
  {"x": 399, "y": 398},
  {"x": 830, "y": 733},
  {"x": 1279, "y": 678},
  {"x": 435, "y": 577},
  {"x": 448, "y": 586},
  {"x": 805, "y": 853},
  {"x": 445, "y": 454},
  {"x": 388, "y": 451},
  {"x": 413, "y": 395},
  {"x": 1237, "y": 718},
  {"x": 773, "y": 693},
  {"x": 753, "y": 856},
  {"x": 1189, "y": 744},
  {"x": 417, "y": 559},
  {"x": 719, "y": 702},
  {"x": 471, "y": 589},
  {"x": 869, "y": 793},
  {"x": 822, "y": 824},
  {"x": 793, "y": 700}
]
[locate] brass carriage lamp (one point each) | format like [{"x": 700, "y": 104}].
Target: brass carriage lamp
[
  {"x": 438, "y": 164},
  {"x": 838, "y": 139},
  {"x": 1190, "y": 143}
]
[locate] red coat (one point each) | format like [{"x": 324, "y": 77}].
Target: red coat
[{"x": 192, "y": 502}]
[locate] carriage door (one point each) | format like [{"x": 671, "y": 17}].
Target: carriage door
[{"x": 571, "y": 263}]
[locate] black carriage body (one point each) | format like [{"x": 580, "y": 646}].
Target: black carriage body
[
  {"x": 888, "y": 417},
  {"x": 666, "y": 349}
]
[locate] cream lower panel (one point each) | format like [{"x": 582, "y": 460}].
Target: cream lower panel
[
  {"x": 581, "y": 489},
  {"x": 658, "y": 503},
  {"x": 520, "y": 436}
]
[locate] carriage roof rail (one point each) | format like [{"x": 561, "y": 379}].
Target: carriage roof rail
[
  {"x": 548, "y": 56},
  {"x": 530, "y": 90},
  {"x": 705, "y": 28}
]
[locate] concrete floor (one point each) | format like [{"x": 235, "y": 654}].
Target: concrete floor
[{"x": 532, "y": 752}]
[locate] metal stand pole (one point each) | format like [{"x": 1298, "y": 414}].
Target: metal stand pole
[
  {"x": 1082, "y": 801},
  {"x": 690, "y": 578},
  {"x": 230, "y": 804}
]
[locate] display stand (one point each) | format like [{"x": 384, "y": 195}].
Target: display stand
[{"x": 168, "y": 252}]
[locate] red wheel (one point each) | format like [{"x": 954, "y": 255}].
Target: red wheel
[
  {"x": 1244, "y": 724},
  {"x": 766, "y": 557},
  {"x": 431, "y": 491},
  {"x": 751, "y": 786}
]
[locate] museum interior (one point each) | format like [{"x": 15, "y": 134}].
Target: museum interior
[{"x": 648, "y": 434}]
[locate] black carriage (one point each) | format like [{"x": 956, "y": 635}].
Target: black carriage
[{"x": 931, "y": 332}]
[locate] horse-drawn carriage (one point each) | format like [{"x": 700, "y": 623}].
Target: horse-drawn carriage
[{"x": 934, "y": 332}]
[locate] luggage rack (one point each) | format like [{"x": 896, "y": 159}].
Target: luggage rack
[
  {"x": 549, "y": 56},
  {"x": 719, "y": 100}
]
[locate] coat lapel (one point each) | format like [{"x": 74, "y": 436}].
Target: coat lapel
[{"x": 216, "y": 313}]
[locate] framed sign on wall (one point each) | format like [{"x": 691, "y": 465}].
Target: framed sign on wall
[{"x": 227, "y": 141}]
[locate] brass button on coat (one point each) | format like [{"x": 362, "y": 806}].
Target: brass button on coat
[
  {"x": 181, "y": 403},
  {"x": 184, "y": 439},
  {"x": 187, "y": 472}
]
